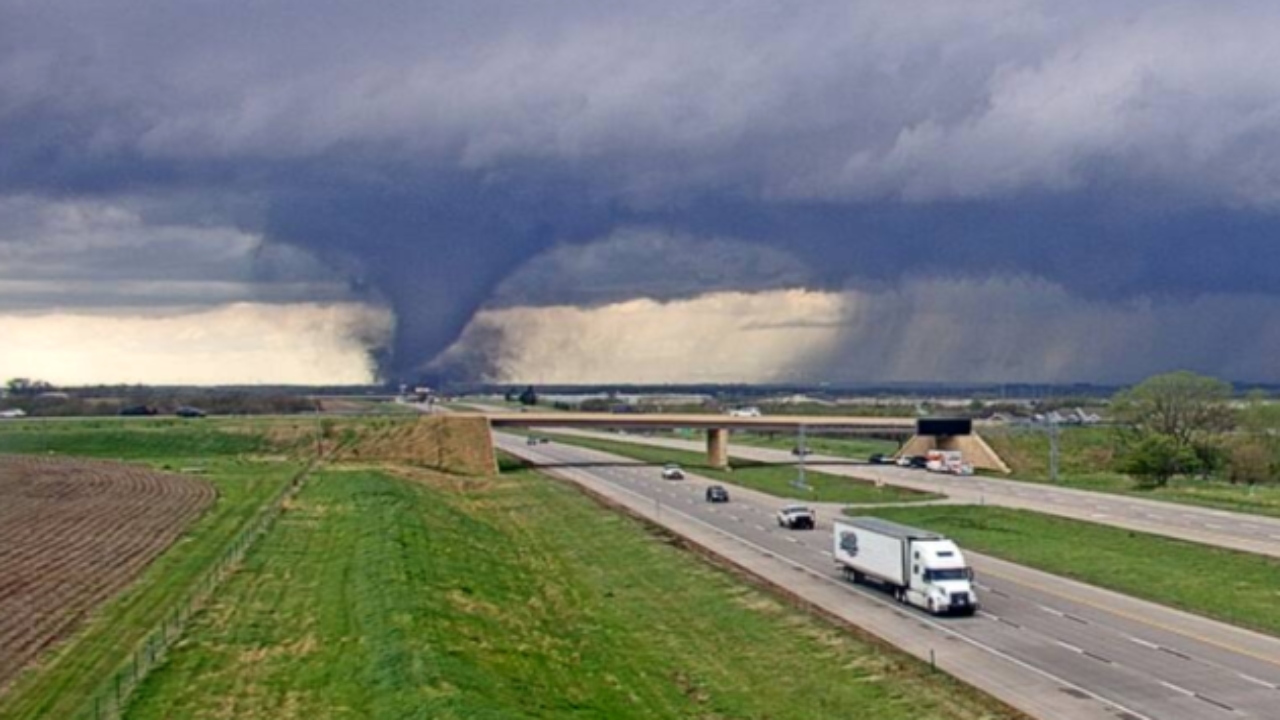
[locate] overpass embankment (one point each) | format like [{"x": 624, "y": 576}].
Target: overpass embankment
[{"x": 459, "y": 444}]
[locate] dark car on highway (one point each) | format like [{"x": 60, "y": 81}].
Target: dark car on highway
[
  {"x": 880, "y": 459},
  {"x": 918, "y": 462},
  {"x": 187, "y": 411},
  {"x": 717, "y": 494}
]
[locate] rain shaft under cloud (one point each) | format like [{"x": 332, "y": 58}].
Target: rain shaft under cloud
[{"x": 436, "y": 158}]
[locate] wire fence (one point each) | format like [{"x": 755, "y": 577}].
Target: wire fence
[{"x": 110, "y": 700}]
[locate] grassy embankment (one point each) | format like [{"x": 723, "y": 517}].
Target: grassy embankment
[
  {"x": 766, "y": 477},
  {"x": 1086, "y": 456},
  {"x": 1237, "y": 587},
  {"x": 516, "y": 596},
  {"x": 244, "y": 463}
]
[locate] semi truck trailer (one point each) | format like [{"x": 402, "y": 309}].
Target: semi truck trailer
[{"x": 919, "y": 567}]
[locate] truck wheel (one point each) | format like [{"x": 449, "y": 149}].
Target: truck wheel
[
  {"x": 933, "y": 609},
  {"x": 858, "y": 577}
]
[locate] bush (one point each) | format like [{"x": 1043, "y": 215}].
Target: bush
[{"x": 1156, "y": 458}]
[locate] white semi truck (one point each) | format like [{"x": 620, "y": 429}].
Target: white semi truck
[{"x": 920, "y": 567}]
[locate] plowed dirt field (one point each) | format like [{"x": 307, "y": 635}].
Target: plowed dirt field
[{"x": 72, "y": 534}]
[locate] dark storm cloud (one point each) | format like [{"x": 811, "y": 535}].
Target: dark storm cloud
[{"x": 427, "y": 151}]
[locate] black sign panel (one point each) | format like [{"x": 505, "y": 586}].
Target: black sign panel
[{"x": 944, "y": 426}]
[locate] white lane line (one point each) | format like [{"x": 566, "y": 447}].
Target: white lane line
[
  {"x": 1178, "y": 688},
  {"x": 1070, "y": 647},
  {"x": 791, "y": 539},
  {"x": 1051, "y": 611},
  {"x": 826, "y": 552},
  {"x": 1143, "y": 643},
  {"x": 1256, "y": 681},
  {"x": 760, "y": 528}
]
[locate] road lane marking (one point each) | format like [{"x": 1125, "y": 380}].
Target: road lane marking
[
  {"x": 1256, "y": 681},
  {"x": 1136, "y": 619},
  {"x": 1177, "y": 688}
]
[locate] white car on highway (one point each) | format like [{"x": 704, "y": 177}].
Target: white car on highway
[
  {"x": 672, "y": 471},
  {"x": 797, "y": 517}
]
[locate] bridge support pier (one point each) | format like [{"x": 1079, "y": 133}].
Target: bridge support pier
[{"x": 718, "y": 448}]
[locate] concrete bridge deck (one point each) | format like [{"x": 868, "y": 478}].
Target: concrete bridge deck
[
  {"x": 703, "y": 421},
  {"x": 717, "y": 428}
]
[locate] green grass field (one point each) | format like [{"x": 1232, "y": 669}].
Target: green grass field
[
  {"x": 516, "y": 596},
  {"x": 1240, "y": 588},
  {"x": 232, "y": 459},
  {"x": 1087, "y": 456},
  {"x": 767, "y": 478}
]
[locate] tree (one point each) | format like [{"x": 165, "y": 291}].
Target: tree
[
  {"x": 1182, "y": 406},
  {"x": 529, "y": 397},
  {"x": 1251, "y": 462},
  {"x": 1156, "y": 458},
  {"x": 24, "y": 387}
]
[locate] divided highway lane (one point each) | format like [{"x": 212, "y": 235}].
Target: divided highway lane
[
  {"x": 1052, "y": 647},
  {"x": 1238, "y": 531}
]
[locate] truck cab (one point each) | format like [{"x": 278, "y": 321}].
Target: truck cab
[{"x": 941, "y": 581}]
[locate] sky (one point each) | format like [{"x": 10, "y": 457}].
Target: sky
[{"x": 658, "y": 191}]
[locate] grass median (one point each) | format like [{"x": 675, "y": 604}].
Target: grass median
[
  {"x": 770, "y": 478},
  {"x": 434, "y": 596},
  {"x": 1237, "y": 587}
]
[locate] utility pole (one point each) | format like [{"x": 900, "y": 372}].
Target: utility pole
[
  {"x": 803, "y": 450},
  {"x": 1053, "y": 451}
]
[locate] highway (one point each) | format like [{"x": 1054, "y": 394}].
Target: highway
[
  {"x": 1051, "y": 647},
  {"x": 1238, "y": 531}
]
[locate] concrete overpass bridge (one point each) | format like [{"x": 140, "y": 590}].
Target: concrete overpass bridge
[{"x": 920, "y": 434}]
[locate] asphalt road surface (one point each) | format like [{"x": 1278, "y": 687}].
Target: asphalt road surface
[
  {"x": 1239, "y": 531},
  {"x": 1051, "y": 647}
]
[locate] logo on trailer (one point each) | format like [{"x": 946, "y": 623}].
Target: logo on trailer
[{"x": 849, "y": 542}]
